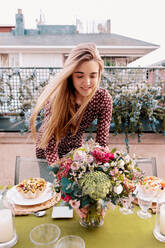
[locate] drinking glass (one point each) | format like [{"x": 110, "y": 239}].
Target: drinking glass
[
  {"x": 8, "y": 235},
  {"x": 127, "y": 205},
  {"x": 145, "y": 197},
  {"x": 70, "y": 241},
  {"x": 45, "y": 235}
]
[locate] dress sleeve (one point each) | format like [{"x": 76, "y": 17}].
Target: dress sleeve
[
  {"x": 104, "y": 118},
  {"x": 50, "y": 153}
]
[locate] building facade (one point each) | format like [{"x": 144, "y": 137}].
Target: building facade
[{"x": 49, "y": 45}]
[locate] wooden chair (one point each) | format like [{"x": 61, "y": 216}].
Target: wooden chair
[
  {"x": 148, "y": 165},
  {"x": 31, "y": 167}
]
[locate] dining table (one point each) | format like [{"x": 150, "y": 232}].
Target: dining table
[{"x": 118, "y": 230}]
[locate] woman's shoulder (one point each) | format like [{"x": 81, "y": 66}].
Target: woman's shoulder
[
  {"x": 103, "y": 94},
  {"x": 100, "y": 98}
]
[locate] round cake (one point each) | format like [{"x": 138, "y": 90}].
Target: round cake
[{"x": 31, "y": 188}]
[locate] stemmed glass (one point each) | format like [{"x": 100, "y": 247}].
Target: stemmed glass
[
  {"x": 127, "y": 205},
  {"x": 145, "y": 197}
]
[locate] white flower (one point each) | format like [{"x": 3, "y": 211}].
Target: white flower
[
  {"x": 121, "y": 163},
  {"x": 83, "y": 168},
  {"x": 113, "y": 164},
  {"x": 105, "y": 166},
  {"x": 118, "y": 189},
  {"x": 116, "y": 154},
  {"x": 127, "y": 158}
]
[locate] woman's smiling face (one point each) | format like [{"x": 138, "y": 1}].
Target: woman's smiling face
[{"x": 85, "y": 78}]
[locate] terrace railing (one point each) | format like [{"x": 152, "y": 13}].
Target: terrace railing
[
  {"x": 20, "y": 87},
  {"x": 138, "y": 95}
]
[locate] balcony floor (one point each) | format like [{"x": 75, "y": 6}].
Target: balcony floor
[{"x": 15, "y": 144}]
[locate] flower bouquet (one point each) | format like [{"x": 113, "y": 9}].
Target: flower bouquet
[{"x": 92, "y": 178}]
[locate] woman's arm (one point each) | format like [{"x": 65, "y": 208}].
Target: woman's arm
[
  {"x": 50, "y": 153},
  {"x": 104, "y": 118}
]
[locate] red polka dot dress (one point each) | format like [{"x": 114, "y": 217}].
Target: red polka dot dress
[{"x": 99, "y": 108}]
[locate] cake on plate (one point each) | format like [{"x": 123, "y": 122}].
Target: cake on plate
[
  {"x": 153, "y": 182},
  {"x": 32, "y": 187}
]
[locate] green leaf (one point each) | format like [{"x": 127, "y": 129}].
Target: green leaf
[
  {"x": 66, "y": 185},
  {"x": 113, "y": 150},
  {"x": 55, "y": 168}
]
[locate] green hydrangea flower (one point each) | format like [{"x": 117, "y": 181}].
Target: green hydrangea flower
[{"x": 96, "y": 184}]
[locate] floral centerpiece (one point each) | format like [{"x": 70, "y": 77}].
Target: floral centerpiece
[{"x": 92, "y": 177}]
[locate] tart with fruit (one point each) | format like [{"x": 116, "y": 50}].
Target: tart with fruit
[
  {"x": 31, "y": 188},
  {"x": 153, "y": 182}
]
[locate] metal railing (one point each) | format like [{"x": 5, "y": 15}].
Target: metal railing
[{"x": 20, "y": 87}]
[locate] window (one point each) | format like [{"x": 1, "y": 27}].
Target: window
[{"x": 4, "y": 60}]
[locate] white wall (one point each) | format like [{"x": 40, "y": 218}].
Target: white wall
[{"x": 41, "y": 60}]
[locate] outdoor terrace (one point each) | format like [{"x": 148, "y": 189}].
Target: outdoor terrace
[{"x": 138, "y": 113}]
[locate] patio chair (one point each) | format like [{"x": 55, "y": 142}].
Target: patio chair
[
  {"x": 148, "y": 165},
  {"x": 31, "y": 167}
]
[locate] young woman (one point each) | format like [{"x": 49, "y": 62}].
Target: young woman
[{"x": 72, "y": 101}]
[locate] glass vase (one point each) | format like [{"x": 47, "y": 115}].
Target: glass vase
[{"x": 94, "y": 216}]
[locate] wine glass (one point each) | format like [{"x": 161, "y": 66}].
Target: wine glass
[
  {"x": 127, "y": 205},
  {"x": 145, "y": 197}
]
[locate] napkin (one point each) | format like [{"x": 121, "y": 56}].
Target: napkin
[{"x": 62, "y": 212}]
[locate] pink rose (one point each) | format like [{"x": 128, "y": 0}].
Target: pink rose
[
  {"x": 112, "y": 173},
  {"x": 74, "y": 203},
  {"x": 101, "y": 155}
]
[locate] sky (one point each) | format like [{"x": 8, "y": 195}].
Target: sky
[{"x": 138, "y": 19}]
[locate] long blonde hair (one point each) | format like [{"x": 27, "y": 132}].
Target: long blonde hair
[{"x": 61, "y": 95}]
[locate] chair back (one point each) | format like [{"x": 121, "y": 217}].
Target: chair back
[
  {"x": 147, "y": 165},
  {"x": 26, "y": 167}
]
